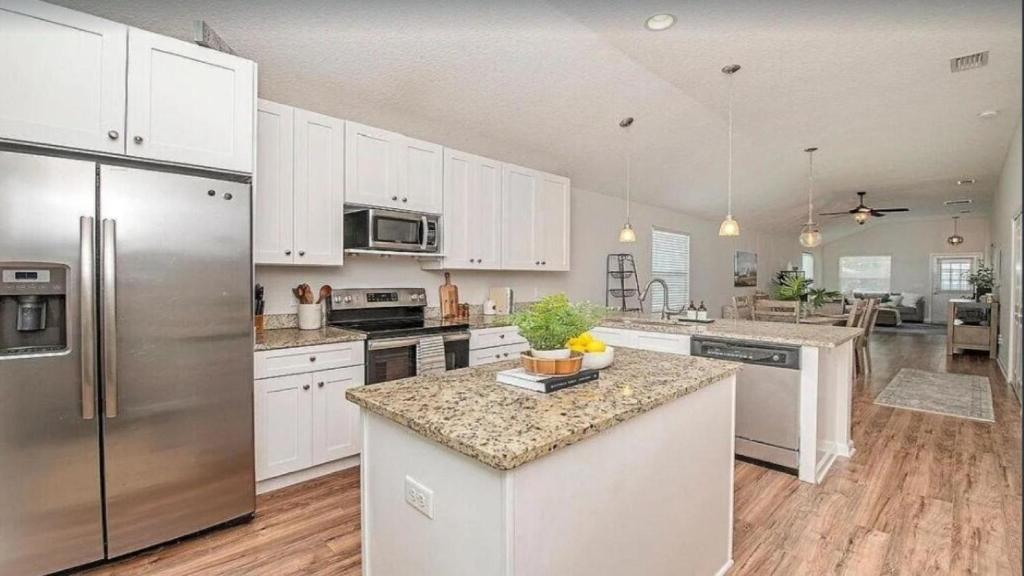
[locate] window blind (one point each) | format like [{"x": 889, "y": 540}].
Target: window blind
[
  {"x": 865, "y": 273},
  {"x": 670, "y": 261}
]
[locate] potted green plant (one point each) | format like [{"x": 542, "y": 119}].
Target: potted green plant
[
  {"x": 793, "y": 287},
  {"x": 983, "y": 281},
  {"x": 550, "y": 322},
  {"x": 818, "y": 297}
]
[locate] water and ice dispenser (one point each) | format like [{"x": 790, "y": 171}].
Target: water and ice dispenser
[{"x": 33, "y": 308}]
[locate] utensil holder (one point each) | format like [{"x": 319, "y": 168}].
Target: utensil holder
[
  {"x": 309, "y": 316},
  {"x": 258, "y": 323}
]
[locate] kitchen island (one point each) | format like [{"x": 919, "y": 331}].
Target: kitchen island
[{"x": 629, "y": 474}]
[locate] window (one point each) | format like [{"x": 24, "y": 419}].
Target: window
[
  {"x": 953, "y": 274},
  {"x": 865, "y": 273},
  {"x": 670, "y": 261},
  {"x": 807, "y": 265}
]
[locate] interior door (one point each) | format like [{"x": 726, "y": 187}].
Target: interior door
[
  {"x": 949, "y": 281},
  {"x": 319, "y": 188},
  {"x": 273, "y": 196},
  {"x": 50, "y": 502},
  {"x": 284, "y": 417},
  {"x": 336, "y": 429},
  {"x": 520, "y": 188},
  {"x": 177, "y": 354},
  {"x": 1017, "y": 320},
  {"x": 188, "y": 104},
  {"x": 64, "y": 77}
]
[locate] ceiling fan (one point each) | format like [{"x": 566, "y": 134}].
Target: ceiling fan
[{"x": 861, "y": 213}]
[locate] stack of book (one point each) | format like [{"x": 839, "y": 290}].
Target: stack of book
[{"x": 544, "y": 383}]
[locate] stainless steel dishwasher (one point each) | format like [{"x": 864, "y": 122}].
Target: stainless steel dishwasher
[{"x": 767, "y": 398}]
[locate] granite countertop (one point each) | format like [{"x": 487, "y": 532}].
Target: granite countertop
[
  {"x": 504, "y": 427},
  {"x": 479, "y": 321},
  {"x": 772, "y": 332},
  {"x": 292, "y": 337}
]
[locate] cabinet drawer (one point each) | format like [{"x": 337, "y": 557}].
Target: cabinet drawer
[
  {"x": 489, "y": 337},
  {"x": 971, "y": 335},
  {"x": 271, "y": 363},
  {"x": 614, "y": 336},
  {"x": 496, "y": 354},
  {"x": 656, "y": 342}
]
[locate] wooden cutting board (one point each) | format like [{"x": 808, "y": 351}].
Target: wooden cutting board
[{"x": 449, "y": 297}]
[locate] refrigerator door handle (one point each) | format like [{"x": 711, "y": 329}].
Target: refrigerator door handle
[
  {"x": 109, "y": 272},
  {"x": 87, "y": 311}
]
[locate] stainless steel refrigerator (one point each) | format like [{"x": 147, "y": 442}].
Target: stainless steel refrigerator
[{"x": 126, "y": 359}]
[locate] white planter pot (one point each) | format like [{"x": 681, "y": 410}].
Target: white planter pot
[
  {"x": 309, "y": 316},
  {"x": 559, "y": 354}
]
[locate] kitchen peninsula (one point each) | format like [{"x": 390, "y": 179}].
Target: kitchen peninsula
[{"x": 629, "y": 474}]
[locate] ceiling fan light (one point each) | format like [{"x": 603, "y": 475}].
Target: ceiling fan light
[
  {"x": 729, "y": 227},
  {"x": 627, "y": 234},
  {"x": 810, "y": 235},
  {"x": 861, "y": 217}
]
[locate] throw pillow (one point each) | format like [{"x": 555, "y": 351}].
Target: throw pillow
[
  {"x": 910, "y": 299},
  {"x": 897, "y": 300}
]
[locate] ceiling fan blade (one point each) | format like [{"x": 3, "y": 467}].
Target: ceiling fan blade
[
  {"x": 876, "y": 214},
  {"x": 891, "y": 210},
  {"x": 833, "y": 213}
]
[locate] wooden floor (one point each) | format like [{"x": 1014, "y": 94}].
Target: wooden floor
[{"x": 924, "y": 494}]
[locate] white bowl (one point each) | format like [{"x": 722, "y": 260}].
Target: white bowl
[{"x": 599, "y": 360}]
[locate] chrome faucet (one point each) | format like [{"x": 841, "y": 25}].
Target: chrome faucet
[{"x": 666, "y": 312}]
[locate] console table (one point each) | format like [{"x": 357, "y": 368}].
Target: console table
[{"x": 970, "y": 336}]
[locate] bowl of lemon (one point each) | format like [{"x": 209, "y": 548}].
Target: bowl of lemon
[{"x": 596, "y": 354}]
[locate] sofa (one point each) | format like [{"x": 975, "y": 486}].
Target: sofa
[{"x": 908, "y": 307}]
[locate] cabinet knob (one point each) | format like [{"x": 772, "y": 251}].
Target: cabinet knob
[
  {"x": 319, "y": 384},
  {"x": 394, "y": 197},
  {"x": 537, "y": 263},
  {"x": 312, "y": 358},
  {"x": 138, "y": 139},
  {"x": 405, "y": 199},
  {"x": 287, "y": 252},
  {"x": 305, "y": 386},
  {"x": 113, "y": 134},
  {"x": 302, "y": 252},
  {"x": 543, "y": 263},
  {"x": 502, "y": 336},
  {"x": 497, "y": 356},
  {"x": 506, "y": 354}
]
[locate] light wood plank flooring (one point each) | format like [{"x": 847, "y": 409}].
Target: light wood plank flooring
[{"x": 925, "y": 494}]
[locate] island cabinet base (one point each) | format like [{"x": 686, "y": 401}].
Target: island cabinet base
[{"x": 652, "y": 495}]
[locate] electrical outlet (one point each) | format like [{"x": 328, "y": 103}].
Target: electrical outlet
[{"x": 419, "y": 497}]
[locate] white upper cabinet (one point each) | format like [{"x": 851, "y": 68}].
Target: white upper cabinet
[
  {"x": 551, "y": 223},
  {"x": 389, "y": 170},
  {"x": 188, "y": 104},
  {"x": 273, "y": 197},
  {"x": 520, "y": 187},
  {"x": 319, "y": 188},
  {"x": 299, "y": 187},
  {"x": 63, "y": 77},
  {"x": 472, "y": 211}
]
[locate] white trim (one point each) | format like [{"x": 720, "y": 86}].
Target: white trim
[
  {"x": 725, "y": 568},
  {"x": 1009, "y": 372},
  {"x": 808, "y": 414}
]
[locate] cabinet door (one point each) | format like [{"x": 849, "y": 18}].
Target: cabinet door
[
  {"x": 420, "y": 176},
  {"x": 319, "y": 188},
  {"x": 63, "y": 77},
  {"x": 336, "y": 430},
  {"x": 520, "y": 187},
  {"x": 551, "y": 223},
  {"x": 472, "y": 211},
  {"x": 188, "y": 104},
  {"x": 272, "y": 202},
  {"x": 284, "y": 425},
  {"x": 371, "y": 166}
]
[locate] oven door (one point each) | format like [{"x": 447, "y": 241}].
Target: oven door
[
  {"x": 456, "y": 351},
  {"x": 390, "y": 359},
  {"x": 403, "y": 231}
]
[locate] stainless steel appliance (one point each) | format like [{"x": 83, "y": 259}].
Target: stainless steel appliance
[
  {"x": 126, "y": 359},
  {"x": 393, "y": 230},
  {"x": 394, "y": 322},
  {"x": 767, "y": 398}
]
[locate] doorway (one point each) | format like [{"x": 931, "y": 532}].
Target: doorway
[
  {"x": 1016, "y": 319},
  {"x": 949, "y": 281}
]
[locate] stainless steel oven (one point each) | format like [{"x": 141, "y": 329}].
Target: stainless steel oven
[
  {"x": 377, "y": 229},
  {"x": 395, "y": 358}
]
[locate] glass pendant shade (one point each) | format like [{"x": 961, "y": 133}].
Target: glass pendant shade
[
  {"x": 627, "y": 234},
  {"x": 956, "y": 239},
  {"x": 861, "y": 217},
  {"x": 729, "y": 227},
  {"x": 810, "y": 235}
]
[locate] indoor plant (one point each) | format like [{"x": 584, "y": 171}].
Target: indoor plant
[
  {"x": 818, "y": 297},
  {"x": 550, "y": 322},
  {"x": 793, "y": 287},
  {"x": 983, "y": 281}
]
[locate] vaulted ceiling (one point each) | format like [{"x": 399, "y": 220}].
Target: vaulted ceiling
[{"x": 545, "y": 84}]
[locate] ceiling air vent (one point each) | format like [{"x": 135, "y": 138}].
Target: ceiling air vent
[
  {"x": 961, "y": 202},
  {"x": 968, "y": 62}
]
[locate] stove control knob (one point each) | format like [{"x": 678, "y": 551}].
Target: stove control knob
[
  {"x": 776, "y": 358},
  {"x": 347, "y": 299}
]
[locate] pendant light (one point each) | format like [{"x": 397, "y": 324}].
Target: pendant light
[
  {"x": 627, "y": 234},
  {"x": 956, "y": 239},
  {"x": 729, "y": 226},
  {"x": 810, "y": 234}
]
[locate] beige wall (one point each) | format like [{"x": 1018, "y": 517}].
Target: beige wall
[
  {"x": 1006, "y": 204},
  {"x": 596, "y": 220},
  {"x": 910, "y": 244}
]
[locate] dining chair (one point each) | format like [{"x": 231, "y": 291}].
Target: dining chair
[
  {"x": 865, "y": 322},
  {"x": 776, "y": 310},
  {"x": 743, "y": 307},
  {"x": 853, "y": 310}
]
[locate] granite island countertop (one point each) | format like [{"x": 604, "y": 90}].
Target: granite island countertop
[
  {"x": 293, "y": 337},
  {"x": 821, "y": 336},
  {"x": 505, "y": 427}
]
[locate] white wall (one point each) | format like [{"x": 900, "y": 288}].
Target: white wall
[
  {"x": 596, "y": 220},
  {"x": 1006, "y": 204},
  {"x": 910, "y": 243}
]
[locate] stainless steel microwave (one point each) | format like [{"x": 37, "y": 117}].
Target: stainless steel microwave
[{"x": 377, "y": 229}]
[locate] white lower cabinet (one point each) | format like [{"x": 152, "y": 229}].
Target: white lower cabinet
[
  {"x": 490, "y": 345},
  {"x": 642, "y": 340},
  {"x": 303, "y": 420}
]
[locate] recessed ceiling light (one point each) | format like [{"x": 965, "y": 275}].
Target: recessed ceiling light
[
  {"x": 965, "y": 182},
  {"x": 988, "y": 114},
  {"x": 660, "y": 22}
]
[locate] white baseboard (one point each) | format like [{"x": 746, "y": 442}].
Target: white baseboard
[
  {"x": 278, "y": 482},
  {"x": 724, "y": 568},
  {"x": 1005, "y": 372}
]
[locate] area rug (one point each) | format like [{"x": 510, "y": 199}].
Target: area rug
[{"x": 959, "y": 395}]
